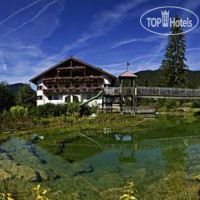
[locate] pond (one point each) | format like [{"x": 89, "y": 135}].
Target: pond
[{"x": 161, "y": 157}]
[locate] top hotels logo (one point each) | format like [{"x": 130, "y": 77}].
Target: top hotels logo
[
  {"x": 160, "y": 20},
  {"x": 165, "y": 18}
]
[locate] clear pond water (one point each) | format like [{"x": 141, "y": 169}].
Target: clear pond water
[{"x": 161, "y": 157}]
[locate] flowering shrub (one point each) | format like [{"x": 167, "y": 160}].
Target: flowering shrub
[{"x": 18, "y": 111}]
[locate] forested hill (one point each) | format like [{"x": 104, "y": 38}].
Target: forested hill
[
  {"x": 14, "y": 88},
  {"x": 150, "y": 78}
]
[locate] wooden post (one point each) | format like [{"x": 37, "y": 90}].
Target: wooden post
[
  {"x": 121, "y": 96},
  {"x": 84, "y": 85},
  {"x": 103, "y": 101},
  {"x": 133, "y": 97},
  {"x": 57, "y": 81}
]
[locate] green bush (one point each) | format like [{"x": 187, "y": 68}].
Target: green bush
[
  {"x": 94, "y": 109},
  {"x": 171, "y": 103},
  {"x": 72, "y": 108},
  {"x": 18, "y": 111},
  {"x": 196, "y": 104},
  {"x": 52, "y": 110},
  {"x": 187, "y": 104},
  {"x": 88, "y": 110},
  {"x": 197, "y": 113},
  {"x": 161, "y": 102},
  {"x": 85, "y": 110},
  {"x": 146, "y": 102}
]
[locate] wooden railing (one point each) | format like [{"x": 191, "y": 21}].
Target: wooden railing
[
  {"x": 162, "y": 92},
  {"x": 71, "y": 68},
  {"x": 72, "y": 89},
  {"x": 73, "y": 78},
  {"x": 117, "y": 91}
]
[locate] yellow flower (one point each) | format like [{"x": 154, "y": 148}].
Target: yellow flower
[
  {"x": 40, "y": 194},
  {"x": 128, "y": 192}
]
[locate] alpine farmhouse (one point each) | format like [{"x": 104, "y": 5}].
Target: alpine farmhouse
[{"x": 72, "y": 80}]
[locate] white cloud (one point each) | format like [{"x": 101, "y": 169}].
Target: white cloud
[
  {"x": 19, "y": 11},
  {"x": 40, "y": 12},
  {"x": 128, "y": 41},
  {"x": 21, "y": 55},
  {"x": 104, "y": 22}
]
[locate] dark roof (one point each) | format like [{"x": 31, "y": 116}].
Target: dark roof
[
  {"x": 77, "y": 60},
  {"x": 127, "y": 74}
]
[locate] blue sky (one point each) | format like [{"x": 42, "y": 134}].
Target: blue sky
[{"x": 35, "y": 34}]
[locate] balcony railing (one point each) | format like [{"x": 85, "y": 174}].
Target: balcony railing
[
  {"x": 71, "y": 68},
  {"x": 75, "y": 78},
  {"x": 117, "y": 91},
  {"x": 71, "y": 89}
]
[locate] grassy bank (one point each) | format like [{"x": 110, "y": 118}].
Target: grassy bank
[
  {"x": 26, "y": 124},
  {"x": 23, "y": 125}
]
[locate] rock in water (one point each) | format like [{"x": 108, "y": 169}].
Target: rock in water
[
  {"x": 84, "y": 171},
  {"x": 25, "y": 173}
]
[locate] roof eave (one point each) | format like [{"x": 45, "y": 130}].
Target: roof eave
[{"x": 34, "y": 79}]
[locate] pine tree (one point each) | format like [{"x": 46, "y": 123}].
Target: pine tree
[
  {"x": 6, "y": 98},
  {"x": 173, "y": 68},
  {"x": 26, "y": 96},
  {"x": 146, "y": 82}
]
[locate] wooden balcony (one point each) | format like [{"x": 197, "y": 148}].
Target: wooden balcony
[
  {"x": 115, "y": 91},
  {"x": 76, "y": 68},
  {"x": 71, "y": 78},
  {"x": 72, "y": 90}
]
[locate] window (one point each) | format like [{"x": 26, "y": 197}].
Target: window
[
  {"x": 88, "y": 85},
  {"x": 50, "y": 97},
  {"x": 67, "y": 99},
  {"x": 39, "y": 97},
  {"x": 75, "y": 99},
  {"x": 95, "y": 85},
  {"x": 89, "y": 96},
  {"x": 39, "y": 87},
  {"x": 55, "y": 97},
  {"x": 76, "y": 86},
  {"x": 67, "y": 86},
  {"x": 50, "y": 86}
]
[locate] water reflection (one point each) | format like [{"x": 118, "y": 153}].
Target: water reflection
[{"x": 106, "y": 158}]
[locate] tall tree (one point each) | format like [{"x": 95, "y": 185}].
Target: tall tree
[
  {"x": 26, "y": 96},
  {"x": 6, "y": 98},
  {"x": 146, "y": 82},
  {"x": 173, "y": 68}
]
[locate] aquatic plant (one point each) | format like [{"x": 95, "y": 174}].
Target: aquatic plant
[
  {"x": 128, "y": 192},
  {"x": 40, "y": 194}
]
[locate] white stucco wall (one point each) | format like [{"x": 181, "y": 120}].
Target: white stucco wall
[{"x": 61, "y": 98}]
